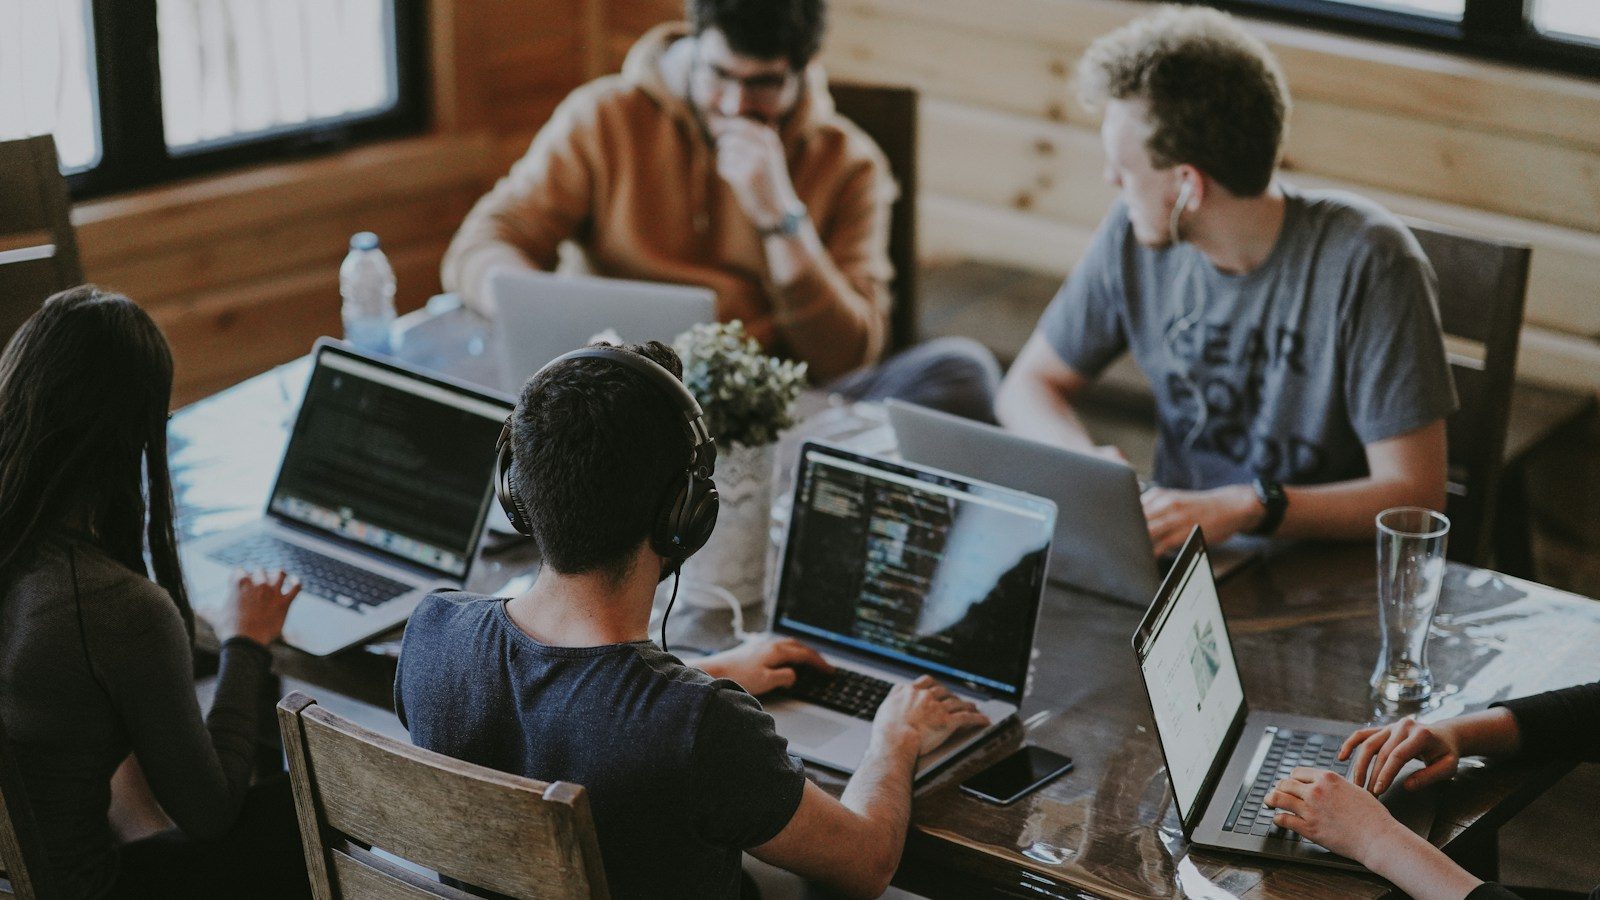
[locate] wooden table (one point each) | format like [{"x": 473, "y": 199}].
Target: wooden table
[{"x": 1303, "y": 623}]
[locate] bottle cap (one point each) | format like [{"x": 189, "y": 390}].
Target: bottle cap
[{"x": 363, "y": 240}]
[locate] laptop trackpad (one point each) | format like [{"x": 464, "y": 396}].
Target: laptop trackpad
[{"x": 810, "y": 730}]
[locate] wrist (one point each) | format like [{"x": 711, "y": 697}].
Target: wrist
[
  {"x": 788, "y": 221},
  {"x": 1271, "y": 502},
  {"x": 1249, "y": 511},
  {"x": 898, "y": 742}
]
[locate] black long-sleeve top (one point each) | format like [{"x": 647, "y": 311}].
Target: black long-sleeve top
[
  {"x": 94, "y": 665},
  {"x": 1562, "y": 724}
]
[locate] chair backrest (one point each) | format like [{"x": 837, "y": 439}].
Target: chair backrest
[
  {"x": 889, "y": 116},
  {"x": 1483, "y": 285},
  {"x": 38, "y": 249},
  {"x": 22, "y": 867},
  {"x": 356, "y": 790}
]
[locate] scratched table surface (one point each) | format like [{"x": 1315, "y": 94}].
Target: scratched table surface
[{"x": 1303, "y": 622}]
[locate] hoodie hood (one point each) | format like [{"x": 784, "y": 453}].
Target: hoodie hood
[{"x": 642, "y": 68}]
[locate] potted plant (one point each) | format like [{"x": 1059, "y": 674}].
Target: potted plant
[{"x": 748, "y": 400}]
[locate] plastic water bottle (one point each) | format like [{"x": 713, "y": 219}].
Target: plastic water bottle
[{"x": 366, "y": 281}]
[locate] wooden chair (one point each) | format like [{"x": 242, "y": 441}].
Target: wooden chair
[
  {"x": 38, "y": 249},
  {"x": 1483, "y": 286},
  {"x": 23, "y": 873},
  {"x": 889, "y": 116},
  {"x": 356, "y": 790}
]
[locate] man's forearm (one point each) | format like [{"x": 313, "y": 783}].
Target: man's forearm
[
  {"x": 1038, "y": 411},
  {"x": 825, "y": 320},
  {"x": 880, "y": 792},
  {"x": 1348, "y": 509}
]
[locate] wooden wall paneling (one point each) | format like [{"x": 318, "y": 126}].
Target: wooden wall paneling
[
  {"x": 952, "y": 228},
  {"x": 224, "y": 336},
  {"x": 269, "y": 247},
  {"x": 1349, "y": 71},
  {"x": 181, "y": 214}
]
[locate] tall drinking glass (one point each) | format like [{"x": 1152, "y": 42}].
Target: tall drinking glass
[{"x": 1411, "y": 542}]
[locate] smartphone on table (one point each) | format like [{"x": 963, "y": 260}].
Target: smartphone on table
[{"x": 1018, "y": 775}]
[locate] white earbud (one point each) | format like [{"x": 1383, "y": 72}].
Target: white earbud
[{"x": 1184, "y": 192}]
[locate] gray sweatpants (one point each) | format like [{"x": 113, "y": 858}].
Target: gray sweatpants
[{"x": 956, "y": 375}]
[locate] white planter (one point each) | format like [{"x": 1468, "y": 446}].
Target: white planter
[{"x": 735, "y": 559}]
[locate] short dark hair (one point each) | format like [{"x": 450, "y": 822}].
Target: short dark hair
[
  {"x": 765, "y": 29},
  {"x": 597, "y": 447},
  {"x": 1217, "y": 99}
]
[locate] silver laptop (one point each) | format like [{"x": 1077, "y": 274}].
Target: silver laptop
[
  {"x": 1102, "y": 544},
  {"x": 380, "y": 498},
  {"x": 539, "y": 316},
  {"x": 893, "y": 572},
  {"x": 1222, "y": 756}
]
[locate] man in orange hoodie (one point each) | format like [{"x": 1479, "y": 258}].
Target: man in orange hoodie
[{"x": 716, "y": 158}]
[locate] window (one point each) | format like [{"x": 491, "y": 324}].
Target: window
[
  {"x": 140, "y": 91},
  {"x": 47, "y": 77},
  {"x": 1554, "y": 34},
  {"x": 1573, "y": 20}
]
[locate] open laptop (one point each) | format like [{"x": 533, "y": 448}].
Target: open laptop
[
  {"x": 1102, "y": 544},
  {"x": 380, "y": 498},
  {"x": 539, "y": 315},
  {"x": 893, "y": 572},
  {"x": 1223, "y": 757}
]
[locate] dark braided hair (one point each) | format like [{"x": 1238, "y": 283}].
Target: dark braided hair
[{"x": 84, "y": 390}]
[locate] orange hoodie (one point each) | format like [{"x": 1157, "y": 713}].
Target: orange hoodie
[{"x": 623, "y": 169}]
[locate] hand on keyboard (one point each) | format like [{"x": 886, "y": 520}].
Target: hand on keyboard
[
  {"x": 764, "y": 664},
  {"x": 924, "y": 712},
  {"x": 256, "y": 606},
  {"x": 1378, "y": 754},
  {"x": 1331, "y": 810}
]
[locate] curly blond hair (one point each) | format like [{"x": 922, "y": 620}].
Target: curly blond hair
[{"x": 1215, "y": 95}]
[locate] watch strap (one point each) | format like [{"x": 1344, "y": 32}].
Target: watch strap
[
  {"x": 1271, "y": 495},
  {"x": 788, "y": 225}
]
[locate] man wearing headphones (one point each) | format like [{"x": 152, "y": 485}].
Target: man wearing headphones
[
  {"x": 606, "y": 464},
  {"x": 1290, "y": 337}
]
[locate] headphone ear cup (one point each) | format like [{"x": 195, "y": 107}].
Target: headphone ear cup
[
  {"x": 687, "y": 520},
  {"x": 510, "y": 504},
  {"x": 701, "y": 518}
]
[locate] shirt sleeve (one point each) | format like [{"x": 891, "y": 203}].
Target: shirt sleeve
[
  {"x": 1084, "y": 323},
  {"x": 1562, "y": 724},
  {"x": 198, "y": 771},
  {"x": 545, "y": 199},
  {"x": 747, "y": 787},
  {"x": 1490, "y": 891},
  {"x": 1397, "y": 376}
]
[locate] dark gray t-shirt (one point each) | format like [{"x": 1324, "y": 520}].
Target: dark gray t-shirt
[
  {"x": 1285, "y": 372},
  {"x": 683, "y": 771}
]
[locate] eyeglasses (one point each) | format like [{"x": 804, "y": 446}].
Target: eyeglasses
[{"x": 766, "y": 86}]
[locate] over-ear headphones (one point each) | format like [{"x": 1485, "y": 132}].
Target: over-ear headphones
[{"x": 685, "y": 520}]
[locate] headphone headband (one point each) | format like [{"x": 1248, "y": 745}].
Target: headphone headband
[{"x": 685, "y": 523}]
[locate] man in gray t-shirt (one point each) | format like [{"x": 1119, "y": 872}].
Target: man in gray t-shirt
[{"x": 1291, "y": 338}]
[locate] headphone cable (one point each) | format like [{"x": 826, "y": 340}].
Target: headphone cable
[{"x": 677, "y": 576}]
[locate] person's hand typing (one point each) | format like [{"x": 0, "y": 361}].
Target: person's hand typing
[
  {"x": 924, "y": 713},
  {"x": 1221, "y": 512},
  {"x": 255, "y": 607},
  {"x": 763, "y": 664},
  {"x": 1380, "y": 754},
  {"x": 1327, "y": 808}
]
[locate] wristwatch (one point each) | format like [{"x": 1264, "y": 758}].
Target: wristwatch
[
  {"x": 789, "y": 224},
  {"x": 1272, "y": 496}
]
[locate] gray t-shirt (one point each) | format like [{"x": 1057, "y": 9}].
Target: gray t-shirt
[
  {"x": 1285, "y": 372},
  {"x": 683, "y": 771}
]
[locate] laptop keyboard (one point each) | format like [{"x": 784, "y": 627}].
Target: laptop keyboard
[
  {"x": 851, "y": 693},
  {"x": 350, "y": 586},
  {"x": 1288, "y": 749}
]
